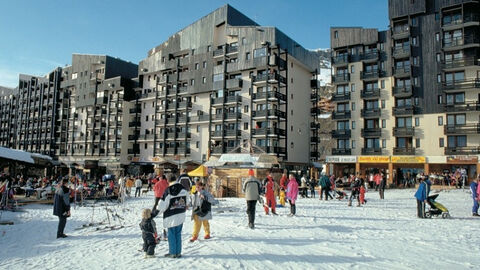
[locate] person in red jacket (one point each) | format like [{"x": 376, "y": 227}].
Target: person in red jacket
[{"x": 270, "y": 194}]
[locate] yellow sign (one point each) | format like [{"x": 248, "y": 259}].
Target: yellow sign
[
  {"x": 155, "y": 159},
  {"x": 408, "y": 159},
  {"x": 373, "y": 159}
]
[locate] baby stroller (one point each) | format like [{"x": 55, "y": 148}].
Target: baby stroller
[
  {"x": 340, "y": 194},
  {"x": 436, "y": 208}
]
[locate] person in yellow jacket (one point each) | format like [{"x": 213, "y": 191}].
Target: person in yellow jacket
[{"x": 282, "y": 196}]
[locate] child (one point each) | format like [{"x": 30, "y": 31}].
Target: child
[
  {"x": 149, "y": 232},
  {"x": 202, "y": 211},
  {"x": 282, "y": 197},
  {"x": 362, "y": 195}
]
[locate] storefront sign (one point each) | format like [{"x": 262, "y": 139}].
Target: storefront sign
[
  {"x": 462, "y": 159},
  {"x": 135, "y": 159},
  {"x": 155, "y": 159},
  {"x": 373, "y": 159},
  {"x": 408, "y": 159},
  {"x": 341, "y": 159}
]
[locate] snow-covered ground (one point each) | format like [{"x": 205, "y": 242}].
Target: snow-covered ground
[{"x": 325, "y": 235}]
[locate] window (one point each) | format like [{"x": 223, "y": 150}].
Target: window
[
  {"x": 382, "y": 46},
  {"x": 414, "y": 21},
  {"x": 437, "y": 16},
  {"x": 440, "y": 99},
  {"x": 437, "y": 37},
  {"x": 439, "y": 58},
  {"x": 196, "y": 66},
  {"x": 384, "y": 143},
  {"x": 417, "y": 143},
  {"x": 291, "y": 128},
  {"x": 291, "y": 145},
  {"x": 441, "y": 142},
  {"x": 204, "y": 64},
  {"x": 440, "y": 120},
  {"x": 198, "y": 129},
  {"x": 335, "y": 34},
  {"x": 382, "y": 84},
  {"x": 383, "y": 104},
  {"x": 384, "y": 123},
  {"x": 197, "y": 144},
  {"x": 245, "y": 126},
  {"x": 352, "y": 69},
  {"x": 342, "y": 125},
  {"x": 415, "y": 81},
  {"x": 74, "y": 76},
  {"x": 209, "y": 48},
  {"x": 244, "y": 41},
  {"x": 194, "y": 98},
  {"x": 414, "y": 41},
  {"x": 204, "y": 80},
  {"x": 353, "y": 125},
  {"x": 439, "y": 78},
  {"x": 245, "y": 109},
  {"x": 192, "y": 82},
  {"x": 146, "y": 146},
  {"x": 291, "y": 112},
  {"x": 456, "y": 119},
  {"x": 146, "y": 118},
  {"x": 415, "y": 101},
  {"x": 153, "y": 104},
  {"x": 353, "y": 106},
  {"x": 417, "y": 121},
  {"x": 261, "y": 52},
  {"x": 456, "y": 98},
  {"x": 247, "y": 56},
  {"x": 456, "y": 141},
  {"x": 415, "y": 61},
  {"x": 352, "y": 87}
]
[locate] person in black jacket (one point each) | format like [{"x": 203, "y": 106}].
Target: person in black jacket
[
  {"x": 149, "y": 232},
  {"x": 381, "y": 187},
  {"x": 355, "y": 185},
  {"x": 61, "y": 207}
]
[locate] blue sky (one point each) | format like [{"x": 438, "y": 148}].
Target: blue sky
[{"x": 39, "y": 35}]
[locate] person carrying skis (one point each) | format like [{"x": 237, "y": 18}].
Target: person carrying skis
[{"x": 270, "y": 194}]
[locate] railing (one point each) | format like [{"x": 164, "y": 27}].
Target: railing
[
  {"x": 341, "y": 151},
  {"x": 371, "y": 132},
  {"x": 402, "y": 91},
  {"x": 344, "y": 77},
  {"x": 403, "y": 131},
  {"x": 370, "y": 55},
  {"x": 340, "y": 59},
  {"x": 466, "y": 19},
  {"x": 371, "y": 151},
  {"x": 341, "y": 133},
  {"x": 269, "y": 95},
  {"x": 341, "y": 115},
  {"x": 370, "y": 93},
  {"x": 460, "y": 84},
  {"x": 232, "y": 132},
  {"x": 200, "y": 118},
  {"x": 233, "y": 99},
  {"x": 404, "y": 151},
  {"x": 462, "y": 107},
  {"x": 462, "y": 129},
  {"x": 371, "y": 74},
  {"x": 461, "y": 62},
  {"x": 401, "y": 51},
  {"x": 341, "y": 96},
  {"x": 401, "y": 71},
  {"x": 268, "y": 131},
  {"x": 271, "y": 112},
  {"x": 232, "y": 116},
  {"x": 374, "y": 112},
  {"x": 234, "y": 83},
  {"x": 404, "y": 110},
  {"x": 466, "y": 150},
  {"x": 271, "y": 77},
  {"x": 460, "y": 41}
]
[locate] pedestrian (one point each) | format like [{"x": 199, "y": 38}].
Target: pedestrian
[
  {"x": 362, "y": 193},
  {"x": 149, "y": 187},
  {"x": 381, "y": 186},
  {"x": 283, "y": 187},
  {"x": 251, "y": 188},
  {"x": 202, "y": 211},
  {"x": 138, "y": 186},
  {"x": 377, "y": 178},
  {"x": 421, "y": 196},
  {"x": 325, "y": 184},
  {"x": 355, "y": 185},
  {"x": 270, "y": 194},
  {"x": 159, "y": 189},
  {"x": 292, "y": 194},
  {"x": 173, "y": 206},
  {"x": 313, "y": 184},
  {"x": 61, "y": 207},
  {"x": 185, "y": 180},
  {"x": 304, "y": 187},
  {"x": 149, "y": 232},
  {"x": 475, "y": 196},
  {"x": 129, "y": 184}
]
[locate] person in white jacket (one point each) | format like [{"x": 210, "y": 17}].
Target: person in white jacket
[
  {"x": 173, "y": 205},
  {"x": 138, "y": 186}
]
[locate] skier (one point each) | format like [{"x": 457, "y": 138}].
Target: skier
[
  {"x": 149, "y": 232},
  {"x": 61, "y": 207},
  {"x": 292, "y": 194},
  {"x": 269, "y": 194},
  {"x": 251, "y": 188}
]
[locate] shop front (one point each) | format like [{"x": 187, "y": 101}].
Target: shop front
[
  {"x": 341, "y": 166},
  {"x": 406, "y": 168},
  {"x": 374, "y": 164}
]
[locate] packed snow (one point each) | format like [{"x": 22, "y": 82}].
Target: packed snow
[{"x": 383, "y": 234}]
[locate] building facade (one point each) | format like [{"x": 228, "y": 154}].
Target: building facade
[
  {"x": 218, "y": 85},
  {"x": 407, "y": 99},
  {"x": 8, "y": 105}
]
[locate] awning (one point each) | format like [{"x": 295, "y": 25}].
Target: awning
[
  {"x": 200, "y": 171},
  {"x": 317, "y": 165},
  {"x": 23, "y": 156}
]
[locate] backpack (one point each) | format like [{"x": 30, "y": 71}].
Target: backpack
[{"x": 203, "y": 209}]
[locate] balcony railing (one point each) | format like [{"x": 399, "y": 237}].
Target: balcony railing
[
  {"x": 341, "y": 151},
  {"x": 200, "y": 118},
  {"x": 371, "y": 74},
  {"x": 460, "y": 63},
  {"x": 232, "y": 133},
  {"x": 271, "y": 78},
  {"x": 233, "y": 116},
  {"x": 268, "y": 131},
  {"x": 340, "y": 59},
  {"x": 273, "y": 149},
  {"x": 404, "y": 110},
  {"x": 402, "y": 71},
  {"x": 341, "y": 115},
  {"x": 344, "y": 77},
  {"x": 404, "y": 151},
  {"x": 341, "y": 96},
  {"x": 371, "y": 113},
  {"x": 233, "y": 99},
  {"x": 400, "y": 52},
  {"x": 463, "y": 107},
  {"x": 371, "y": 132},
  {"x": 269, "y": 95},
  {"x": 269, "y": 113},
  {"x": 466, "y": 150},
  {"x": 341, "y": 133},
  {"x": 462, "y": 129},
  {"x": 371, "y": 151},
  {"x": 460, "y": 84},
  {"x": 370, "y": 93},
  {"x": 400, "y": 31},
  {"x": 460, "y": 41},
  {"x": 405, "y": 91},
  {"x": 370, "y": 55},
  {"x": 404, "y": 131},
  {"x": 467, "y": 18},
  {"x": 234, "y": 83}
]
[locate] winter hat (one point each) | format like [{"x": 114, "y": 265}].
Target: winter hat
[{"x": 250, "y": 172}]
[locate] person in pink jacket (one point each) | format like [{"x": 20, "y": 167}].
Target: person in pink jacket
[{"x": 292, "y": 193}]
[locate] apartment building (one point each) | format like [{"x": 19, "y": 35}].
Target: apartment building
[
  {"x": 407, "y": 99},
  {"x": 219, "y": 84},
  {"x": 96, "y": 91},
  {"x": 8, "y": 104}
]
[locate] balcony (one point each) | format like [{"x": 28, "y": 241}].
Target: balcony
[
  {"x": 234, "y": 83},
  {"x": 371, "y": 132},
  {"x": 400, "y": 31},
  {"x": 341, "y": 133},
  {"x": 184, "y": 135},
  {"x": 200, "y": 118},
  {"x": 269, "y": 132},
  {"x": 371, "y": 74},
  {"x": 182, "y": 119},
  {"x": 337, "y": 115},
  {"x": 269, "y": 113},
  {"x": 233, "y": 116},
  {"x": 341, "y": 96},
  {"x": 463, "y": 107},
  {"x": 273, "y": 149},
  {"x": 462, "y": 129},
  {"x": 466, "y": 150},
  {"x": 184, "y": 105},
  {"x": 340, "y": 78},
  {"x": 371, "y": 113},
  {"x": 460, "y": 84},
  {"x": 217, "y": 150},
  {"x": 217, "y": 101},
  {"x": 271, "y": 95},
  {"x": 402, "y": 72},
  {"x": 134, "y": 124},
  {"x": 370, "y": 93},
  {"x": 135, "y": 110},
  {"x": 340, "y": 59},
  {"x": 370, "y": 56},
  {"x": 403, "y": 131},
  {"x": 133, "y": 137},
  {"x": 468, "y": 20},
  {"x": 270, "y": 78},
  {"x": 460, "y": 63},
  {"x": 218, "y": 52},
  {"x": 218, "y": 133},
  {"x": 404, "y": 151},
  {"x": 371, "y": 151},
  {"x": 341, "y": 151},
  {"x": 405, "y": 91},
  {"x": 401, "y": 52},
  {"x": 457, "y": 43},
  {"x": 404, "y": 110},
  {"x": 232, "y": 133},
  {"x": 233, "y": 99},
  {"x": 217, "y": 117}
]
